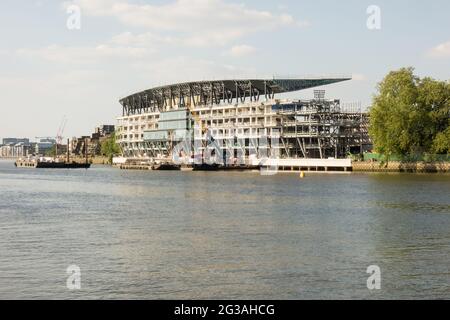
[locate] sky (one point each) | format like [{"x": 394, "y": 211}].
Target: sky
[{"x": 76, "y": 59}]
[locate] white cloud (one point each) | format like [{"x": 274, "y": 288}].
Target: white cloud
[
  {"x": 440, "y": 51},
  {"x": 39, "y": 3},
  {"x": 147, "y": 39},
  {"x": 182, "y": 23},
  {"x": 155, "y": 40},
  {"x": 193, "y": 69},
  {"x": 3, "y": 52},
  {"x": 74, "y": 93},
  {"x": 358, "y": 77},
  {"x": 83, "y": 55},
  {"x": 241, "y": 51},
  {"x": 89, "y": 94},
  {"x": 157, "y": 49},
  {"x": 197, "y": 22}
]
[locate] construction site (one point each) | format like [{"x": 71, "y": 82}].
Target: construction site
[{"x": 241, "y": 123}]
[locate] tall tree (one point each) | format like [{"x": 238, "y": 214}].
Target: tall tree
[
  {"x": 110, "y": 148},
  {"x": 408, "y": 115}
]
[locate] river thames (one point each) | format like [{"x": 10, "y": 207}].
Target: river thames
[{"x": 217, "y": 235}]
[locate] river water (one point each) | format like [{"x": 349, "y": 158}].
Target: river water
[{"x": 213, "y": 235}]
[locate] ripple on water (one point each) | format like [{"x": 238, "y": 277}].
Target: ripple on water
[{"x": 172, "y": 235}]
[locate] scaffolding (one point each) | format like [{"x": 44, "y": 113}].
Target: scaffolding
[
  {"x": 322, "y": 128},
  {"x": 229, "y": 115}
]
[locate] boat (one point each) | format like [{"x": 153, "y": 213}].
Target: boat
[
  {"x": 166, "y": 167},
  {"x": 50, "y": 163},
  {"x": 206, "y": 167},
  {"x": 63, "y": 165}
]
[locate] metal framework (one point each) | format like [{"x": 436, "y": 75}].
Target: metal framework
[
  {"x": 214, "y": 92},
  {"x": 321, "y": 129},
  {"x": 233, "y": 114}
]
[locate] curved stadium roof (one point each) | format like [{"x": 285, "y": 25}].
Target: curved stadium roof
[{"x": 222, "y": 90}]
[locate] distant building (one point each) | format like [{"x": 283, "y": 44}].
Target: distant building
[
  {"x": 78, "y": 145},
  {"x": 105, "y": 130},
  {"x": 15, "y": 148},
  {"x": 93, "y": 142},
  {"x": 12, "y": 141},
  {"x": 44, "y": 145}
]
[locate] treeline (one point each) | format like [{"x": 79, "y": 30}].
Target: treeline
[
  {"x": 110, "y": 148},
  {"x": 410, "y": 116}
]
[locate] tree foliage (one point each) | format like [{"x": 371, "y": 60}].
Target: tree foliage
[
  {"x": 50, "y": 152},
  {"x": 109, "y": 147},
  {"x": 410, "y": 116}
]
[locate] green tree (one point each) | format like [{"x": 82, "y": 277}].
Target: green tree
[
  {"x": 109, "y": 148},
  {"x": 435, "y": 97},
  {"x": 408, "y": 115},
  {"x": 441, "y": 143}
]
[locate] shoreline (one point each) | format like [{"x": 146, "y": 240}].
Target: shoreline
[
  {"x": 366, "y": 166},
  {"x": 94, "y": 160},
  {"x": 402, "y": 167},
  {"x": 357, "y": 166}
]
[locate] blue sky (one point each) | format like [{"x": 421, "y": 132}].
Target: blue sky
[{"x": 48, "y": 71}]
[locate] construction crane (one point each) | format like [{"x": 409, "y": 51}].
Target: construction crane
[
  {"x": 58, "y": 138},
  {"x": 59, "y": 135}
]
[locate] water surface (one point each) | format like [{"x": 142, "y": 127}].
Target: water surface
[{"x": 198, "y": 235}]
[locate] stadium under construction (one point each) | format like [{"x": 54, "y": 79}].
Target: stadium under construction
[{"x": 239, "y": 123}]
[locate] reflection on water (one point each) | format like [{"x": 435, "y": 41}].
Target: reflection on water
[
  {"x": 164, "y": 235},
  {"x": 421, "y": 207}
]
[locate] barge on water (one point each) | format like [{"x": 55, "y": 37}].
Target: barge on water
[
  {"x": 53, "y": 162},
  {"x": 50, "y": 163}
]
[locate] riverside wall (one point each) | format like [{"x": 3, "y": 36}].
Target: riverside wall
[{"x": 400, "y": 166}]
